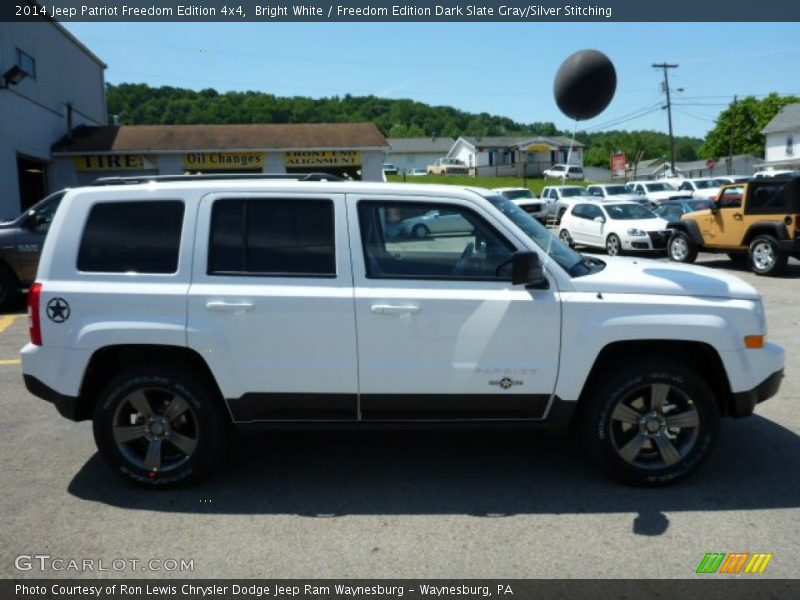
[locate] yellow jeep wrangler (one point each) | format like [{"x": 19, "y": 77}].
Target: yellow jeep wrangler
[{"x": 755, "y": 221}]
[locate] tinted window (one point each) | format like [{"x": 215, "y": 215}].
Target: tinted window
[
  {"x": 579, "y": 210},
  {"x": 591, "y": 212},
  {"x": 772, "y": 197},
  {"x": 731, "y": 197},
  {"x": 272, "y": 237},
  {"x": 132, "y": 237},
  {"x": 421, "y": 241}
]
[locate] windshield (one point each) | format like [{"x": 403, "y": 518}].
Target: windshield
[
  {"x": 617, "y": 189},
  {"x": 659, "y": 187},
  {"x": 573, "y": 262},
  {"x": 700, "y": 204},
  {"x": 572, "y": 191},
  {"x": 517, "y": 194},
  {"x": 628, "y": 212},
  {"x": 704, "y": 184}
]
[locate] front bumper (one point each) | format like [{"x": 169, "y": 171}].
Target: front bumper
[{"x": 743, "y": 403}]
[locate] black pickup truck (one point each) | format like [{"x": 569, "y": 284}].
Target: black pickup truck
[{"x": 21, "y": 243}]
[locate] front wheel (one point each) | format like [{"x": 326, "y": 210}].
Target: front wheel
[
  {"x": 420, "y": 232},
  {"x": 159, "y": 426},
  {"x": 766, "y": 257},
  {"x": 650, "y": 423},
  {"x": 565, "y": 237},
  {"x": 613, "y": 245},
  {"x": 680, "y": 248}
]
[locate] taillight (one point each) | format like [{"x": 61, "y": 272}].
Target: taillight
[{"x": 34, "y": 320}]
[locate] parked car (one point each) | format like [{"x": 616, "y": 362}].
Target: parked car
[
  {"x": 389, "y": 169},
  {"x": 619, "y": 192},
  {"x": 434, "y": 222},
  {"x": 658, "y": 191},
  {"x": 416, "y": 172},
  {"x": 21, "y": 243},
  {"x": 448, "y": 166},
  {"x": 618, "y": 227},
  {"x": 173, "y": 314},
  {"x": 755, "y": 222},
  {"x": 673, "y": 210},
  {"x": 564, "y": 172},
  {"x": 559, "y": 197},
  {"x": 526, "y": 200},
  {"x": 702, "y": 188}
]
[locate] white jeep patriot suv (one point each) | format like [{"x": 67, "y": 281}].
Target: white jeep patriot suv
[{"x": 170, "y": 312}]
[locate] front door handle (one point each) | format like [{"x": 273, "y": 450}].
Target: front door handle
[
  {"x": 394, "y": 309},
  {"x": 737, "y": 216},
  {"x": 221, "y": 305}
]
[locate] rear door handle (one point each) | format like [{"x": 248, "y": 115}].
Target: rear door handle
[
  {"x": 222, "y": 306},
  {"x": 394, "y": 309}
]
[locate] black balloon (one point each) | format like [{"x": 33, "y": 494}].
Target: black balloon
[{"x": 585, "y": 84}]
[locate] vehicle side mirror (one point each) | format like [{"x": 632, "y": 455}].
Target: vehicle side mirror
[
  {"x": 526, "y": 269},
  {"x": 34, "y": 221},
  {"x": 715, "y": 206},
  {"x": 599, "y": 219}
]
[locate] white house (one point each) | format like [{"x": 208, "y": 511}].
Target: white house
[
  {"x": 417, "y": 153},
  {"x": 518, "y": 156},
  {"x": 783, "y": 139}
]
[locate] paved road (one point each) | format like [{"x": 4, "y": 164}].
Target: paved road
[{"x": 427, "y": 504}]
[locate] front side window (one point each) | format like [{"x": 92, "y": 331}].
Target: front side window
[
  {"x": 132, "y": 237},
  {"x": 410, "y": 240},
  {"x": 272, "y": 237},
  {"x": 732, "y": 197}
]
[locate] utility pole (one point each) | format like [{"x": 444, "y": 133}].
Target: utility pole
[
  {"x": 666, "y": 66},
  {"x": 733, "y": 132}
]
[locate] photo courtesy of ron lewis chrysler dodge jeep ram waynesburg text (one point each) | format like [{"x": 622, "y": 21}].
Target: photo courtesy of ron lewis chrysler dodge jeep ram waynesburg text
[{"x": 171, "y": 313}]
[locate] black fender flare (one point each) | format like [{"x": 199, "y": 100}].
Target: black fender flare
[
  {"x": 690, "y": 228},
  {"x": 777, "y": 229}
]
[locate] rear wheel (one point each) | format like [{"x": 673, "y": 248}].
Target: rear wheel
[
  {"x": 159, "y": 426},
  {"x": 613, "y": 245},
  {"x": 766, "y": 257},
  {"x": 680, "y": 248},
  {"x": 651, "y": 423},
  {"x": 420, "y": 232}
]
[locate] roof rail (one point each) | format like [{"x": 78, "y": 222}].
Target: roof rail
[{"x": 136, "y": 179}]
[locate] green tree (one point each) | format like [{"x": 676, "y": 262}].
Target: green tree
[{"x": 751, "y": 116}]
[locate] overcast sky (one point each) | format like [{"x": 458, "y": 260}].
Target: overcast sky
[{"x": 504, "y": 69}]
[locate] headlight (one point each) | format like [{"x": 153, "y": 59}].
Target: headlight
[{"x": 636, "y": 233}]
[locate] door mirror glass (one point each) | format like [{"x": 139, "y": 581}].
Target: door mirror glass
[{"x": 526, "y": 269}]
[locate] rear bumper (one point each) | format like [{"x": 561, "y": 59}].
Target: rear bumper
[
  {"x": 744, "y": 402},
  {"x": 67, "y": 406}
]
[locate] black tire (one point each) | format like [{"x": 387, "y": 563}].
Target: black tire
[
  {"x": 202, "y": 425},
  {"x": 680, "y": 248},
  {"x": 560, "y": 214},
  {"x": 420, "y": 232},
  {"x": 565, "y": 237},
  {"x": 619, "y": 422},
  {"x": 740, "y": 258},
  {"x": 613, "y": 245},
  {"x": 8, "y": 288},
  {"x": 766, "y": 257}
]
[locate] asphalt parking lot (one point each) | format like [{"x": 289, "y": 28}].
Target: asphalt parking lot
[{"x": 405, "y": 504}]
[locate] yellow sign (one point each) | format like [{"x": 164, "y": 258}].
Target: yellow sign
[
  {"x": 112, "y": 162},
  {"x": 539, "y": 148},
  {"x": 219, "y": 161},
  {"x": 322, "y": 158}
]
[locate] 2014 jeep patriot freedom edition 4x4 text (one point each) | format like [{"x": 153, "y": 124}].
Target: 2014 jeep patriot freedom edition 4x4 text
[{"x": 169, "y": 312}]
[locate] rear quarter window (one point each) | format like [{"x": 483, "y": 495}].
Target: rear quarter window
[
  {"x": 132, "y": 237},
  {"x": 770, "y": 198}
]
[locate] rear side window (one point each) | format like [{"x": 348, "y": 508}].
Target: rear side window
[
  {"x": 292, "y": 237},
  {"x": 132, "y": 237},
  {"x": 770, "y": 198}
]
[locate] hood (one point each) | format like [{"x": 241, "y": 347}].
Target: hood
[
  {"x": 623, "y": 275},
  {"x": 669, "y": 194},
  {"x": 657, "y": 224},
  {"x": 625, "y": 197}
]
